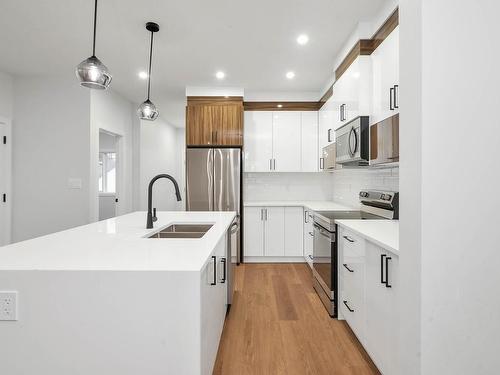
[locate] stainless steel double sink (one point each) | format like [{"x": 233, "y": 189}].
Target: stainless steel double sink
[{"x": 183, "y": 231}]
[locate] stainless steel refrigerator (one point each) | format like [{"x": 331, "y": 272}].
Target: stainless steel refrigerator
[{"x": 213, "y": 183}]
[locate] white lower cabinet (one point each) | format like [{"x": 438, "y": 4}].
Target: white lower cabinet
[
  {"x": 213, "y": 295},
  {"x": 368, "y": 301},
  {"x": 275, "y": 232},
  {"x": 308, "y": 236}
]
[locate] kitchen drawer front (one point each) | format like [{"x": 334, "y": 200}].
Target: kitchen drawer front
[
  {"x": 353, "y": 309},
  {"x": 353, "y": 245}
]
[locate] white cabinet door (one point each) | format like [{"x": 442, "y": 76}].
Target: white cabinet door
[
  {"x": 286, "y": 141},
  {"x": 308, "y": 236},
  {"x": 258, "y": 141},
  {"x": 294, "y": 231},
  {"x": 309, "y": 142},
  {"x": 253, "y": 231},
  {"x": 274, "y": 237},
  {"x": 327, "y": 122},
  {"x": 352, "y": 271},
  {"x": 381, "y": 306},
  {"x": 385, "y": 63},
  {"x": 213, "y": 309}
]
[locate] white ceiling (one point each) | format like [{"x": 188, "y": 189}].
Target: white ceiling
[{"x": 252, "y": 41}]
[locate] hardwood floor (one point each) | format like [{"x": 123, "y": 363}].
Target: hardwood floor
[{"x": 277, "y": 325}]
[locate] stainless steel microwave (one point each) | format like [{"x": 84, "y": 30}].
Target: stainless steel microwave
[{"x": 353, "y": 142}]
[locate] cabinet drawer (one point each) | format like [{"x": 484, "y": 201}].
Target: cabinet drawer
[
  {"x": 354, "y": 246},
  {"x": 352, "y": 308}
]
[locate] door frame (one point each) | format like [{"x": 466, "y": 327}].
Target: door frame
[
  {"x": 6, "y": 231},
  {"x": 94, "y": 191}
]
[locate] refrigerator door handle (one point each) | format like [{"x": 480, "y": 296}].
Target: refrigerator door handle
[{"x": 210, "y": 175}]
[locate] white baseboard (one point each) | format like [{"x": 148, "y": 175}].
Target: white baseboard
[{"x": 274, "y": 259}]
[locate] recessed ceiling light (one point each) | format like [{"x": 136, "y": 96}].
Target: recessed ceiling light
[
  {"x": 280, "y": 106},
  {"x": 220, "y": 75},
  {"x": 290, "y": 75},
  {"x": 302, "y": 39},
  {"x": 143, "y": 75}
]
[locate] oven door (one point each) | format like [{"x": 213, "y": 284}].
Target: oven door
[{"x": 324, "y": 259}]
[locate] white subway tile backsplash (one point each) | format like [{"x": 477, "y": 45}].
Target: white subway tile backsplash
[{"x": 342, "y": 185}]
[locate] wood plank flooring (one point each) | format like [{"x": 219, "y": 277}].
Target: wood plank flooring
[{"x": 277, "y": 325}]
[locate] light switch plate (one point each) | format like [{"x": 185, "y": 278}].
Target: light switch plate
[
  {"x": 74, "y": 183},
  {"x": 8, "y": 305}
]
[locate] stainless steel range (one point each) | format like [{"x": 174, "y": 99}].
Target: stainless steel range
[{"x": 375, "y": 205}]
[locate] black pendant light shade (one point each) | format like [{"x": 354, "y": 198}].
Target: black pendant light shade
[
  {"x": 147, "y": 110},
  {"x": 91, "y": 72}
]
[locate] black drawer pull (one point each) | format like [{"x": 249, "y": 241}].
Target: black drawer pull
[
  {"x": 347, "y": 268},
  {"x": 382, "y": 256},
  {"x": 349, "y": 239},
  {"x": 214, "y": 282},
  {"x": 224, "y": 271},
  {"x": 348, "y": 308},
  {"x": 387, "y": 285}
]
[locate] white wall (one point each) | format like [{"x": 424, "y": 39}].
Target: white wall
[
  {"x": 50, "y": 145},
  {"x": 111, "y": 112},
  {"x": 160, "y": 152},
  {"x": 6, "y": 95},
  {"x": 286, "y": 186},
  {"x": 452, "y": 136}
]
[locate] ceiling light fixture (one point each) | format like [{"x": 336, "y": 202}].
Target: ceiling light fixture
[
  {"x": 280, "y": 106},
  {"x": 147, "y": 110},
  {"x": 290, "y": 75},
  {"x": 302, "y": 39},
  {"x": 91, "y": 72},
  {"x": 143, "y": 75},
  {"x": 220, "y": 75}
]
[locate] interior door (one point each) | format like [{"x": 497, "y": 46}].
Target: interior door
[
  {"x": 286, "y": 141},
  {"x": 199, "y": 179}
]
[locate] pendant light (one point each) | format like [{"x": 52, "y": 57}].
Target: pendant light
[
  {"x": 91, "y": 72},
  {"x": 147, "y": 110}
]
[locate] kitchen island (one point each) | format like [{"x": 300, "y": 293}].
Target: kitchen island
[{"x": 105, "y": 298}]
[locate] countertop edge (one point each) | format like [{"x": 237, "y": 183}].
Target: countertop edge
[{"x": 376, "y": 241}]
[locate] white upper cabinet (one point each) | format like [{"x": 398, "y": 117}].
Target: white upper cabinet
[
  {"x": 286, "y": 141},
  {"x": 258, "y": 132},
  {"x": 385, "y": 63},
  {"x": 352, "y": 92},
  {"x": 327, "y": 123},
  {"x": 309, "y": 139}
]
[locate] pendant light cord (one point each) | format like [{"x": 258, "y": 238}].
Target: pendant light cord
[
  {"x": 95, "y": 24},
  {"x": 150, "y": 61}
]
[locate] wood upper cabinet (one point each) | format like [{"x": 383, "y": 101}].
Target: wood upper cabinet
[{"x": 214, "y": 122}]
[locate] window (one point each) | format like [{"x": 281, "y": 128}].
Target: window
[{"x": 107, "y": 172}]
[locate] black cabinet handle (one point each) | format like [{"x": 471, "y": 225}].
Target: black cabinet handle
[
  {"x": 321, "y": 163},
  {"x": 311, "y": 257},
  {"x": 224, "y": 271},
  {"x": 382, "y": 256},
  {"x": 348, "y": 308},
  {"x": 349, "y": 239},
  {"x": 391, "y": 96},
  {"x": 270, "y": 164},
  {"x": 305, "y": 217},
  {"x": 396, "y": 94},
  {"x": 329, "y": 135},
  {"x": 347, "y": 268},
  {"x": 214, "y": 282},
  {"x": 387, "y": 285}
]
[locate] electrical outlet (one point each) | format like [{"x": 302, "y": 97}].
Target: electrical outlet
[{"x": 8, "y": 305}]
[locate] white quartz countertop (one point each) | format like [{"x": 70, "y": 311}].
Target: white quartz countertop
[
  {"x": 313, "y": 205},
  {"x": 120, "y": 243},
  {"x": 384, "y": 233}
]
